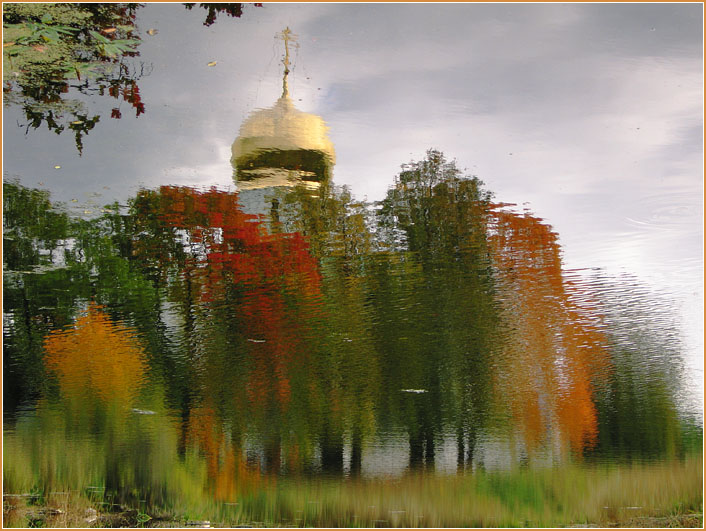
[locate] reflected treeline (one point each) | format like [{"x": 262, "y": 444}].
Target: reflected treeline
[
  {"x": 642, "y": 402},
  {"x": 182, "y": 337},
  {"x": 554, "y": 350}
]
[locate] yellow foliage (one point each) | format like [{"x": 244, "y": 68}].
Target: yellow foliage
[{"x": 96, "y": 357}]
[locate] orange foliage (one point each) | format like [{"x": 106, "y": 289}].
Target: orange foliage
[
  {"x": 205, "y": 432},
  {"x": 227, "y": 470},
  {"x": 235, "y": 477},
  {"x": 96, "y": 357},
  {"x": 551, "y": 351}
]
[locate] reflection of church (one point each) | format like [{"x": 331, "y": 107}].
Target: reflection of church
[{"x": 279, "y": 148}]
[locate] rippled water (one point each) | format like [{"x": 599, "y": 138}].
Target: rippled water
[{"x": 180, "y": 312}]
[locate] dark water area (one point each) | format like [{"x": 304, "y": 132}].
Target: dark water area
[{"x": 208, "y": 340}]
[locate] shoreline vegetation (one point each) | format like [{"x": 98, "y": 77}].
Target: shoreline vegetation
[{"x": 646, "y": 494}]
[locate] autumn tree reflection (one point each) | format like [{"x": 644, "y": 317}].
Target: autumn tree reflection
[
  {"x": 248, "y": 299},
  {"x": 183, "y": 338},
  {"x": 96, "y": 359},
  {"x": 100, "y": 367},
  {"x": 551, "y": 352}
]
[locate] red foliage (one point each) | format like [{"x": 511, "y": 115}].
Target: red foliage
[
  {"x": 130, "y": 93},
  {"x": 272, "y": 268}
]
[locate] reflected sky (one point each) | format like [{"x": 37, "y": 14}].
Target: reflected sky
[{"x": 588, "y": 114}]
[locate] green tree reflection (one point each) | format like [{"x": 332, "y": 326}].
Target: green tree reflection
[{"x": 438, "y": 218}]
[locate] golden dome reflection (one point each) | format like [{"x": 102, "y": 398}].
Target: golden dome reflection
[{"x": 281, "y": 145}]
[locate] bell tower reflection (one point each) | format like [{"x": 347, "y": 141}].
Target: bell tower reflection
[{"x": 279, "y": 148}]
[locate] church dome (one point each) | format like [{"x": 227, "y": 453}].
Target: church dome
[
  {"x": 283, "y": 127},
  {"x": 283, "y": 137},
  {"x": 281, "y": 145}
]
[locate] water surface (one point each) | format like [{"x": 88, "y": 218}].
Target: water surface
[{"x": 407, "y": 239}]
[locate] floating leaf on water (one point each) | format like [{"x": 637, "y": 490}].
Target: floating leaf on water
[
  {"x": 213, "y": 63},
  {"x": 152, "y": 31}
]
